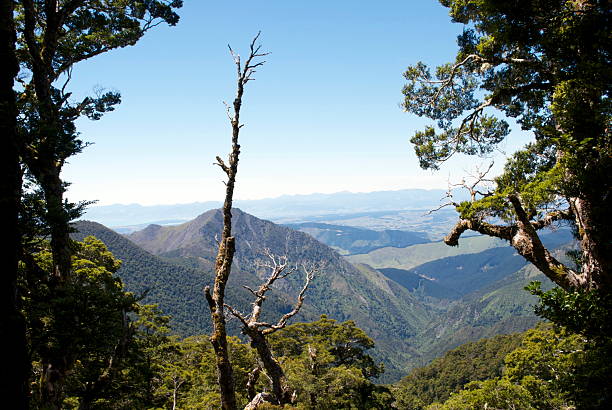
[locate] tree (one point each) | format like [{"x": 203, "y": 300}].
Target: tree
[
  {"x": 53, "y": 36},
  {"x": 227, "y": 246},
  {"x": 545, "y": 63},
  {"x": 88, "y": 319},
  {"x": 327, "y": 365},
  {"x": 257, "y": 330},
  {"x": 551, "y": 369},
  {"x": 13, "y": 384},
  {"x": 475, "y": 361}
]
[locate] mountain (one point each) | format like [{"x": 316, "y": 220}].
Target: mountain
[
  {"x": 389, "y": 313},
  {"x": 419, "y": 284},
  {"x": 502, "y": 307},
  {"x": 408, "y": 258},
  {"x": 285, "y": 209},
  {"x": 177, "y": 289},
  {"x": 475, "y": 290},
  {"x": 414, "y": 314},
  {"x": 349, "y": 240}
]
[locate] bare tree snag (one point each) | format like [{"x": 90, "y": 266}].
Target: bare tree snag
[
  {"x": 227, "y": 247},
  {"x": 257, "y": 330}
]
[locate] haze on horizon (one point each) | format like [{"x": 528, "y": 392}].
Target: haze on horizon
[{"x": 322, "y": 117}]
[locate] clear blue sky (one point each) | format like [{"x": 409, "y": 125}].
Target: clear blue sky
[{"x": 322, "y": 116}]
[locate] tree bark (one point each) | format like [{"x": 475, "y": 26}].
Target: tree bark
[
  {"x": 14, "y": 379},
  {"x": 273, "y": 369},
  {"x": 596, "y": 248},
  {"x": 225, "y": 255}
]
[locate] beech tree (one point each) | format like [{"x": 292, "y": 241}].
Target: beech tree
[
  {"x": 87, "y": 322},
  {"x": 545, "y": 63},
  {"x": 51, "y": 37},
  {"x": 13, "y": 386}
]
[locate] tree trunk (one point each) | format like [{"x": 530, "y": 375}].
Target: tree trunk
[
  {"x": 14, "y": 380},
  {"x": 271, "y": 366},
  {"x": 60, "y": 362},
  {"x": 593, "y": 232},
  {"x": 53, "y": 374},
  {"x": 58, "y": 221}
]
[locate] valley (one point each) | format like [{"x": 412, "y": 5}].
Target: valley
[{"x": 416, "y": 297}]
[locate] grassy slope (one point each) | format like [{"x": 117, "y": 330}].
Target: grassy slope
[{"x": 412, "y": 256}]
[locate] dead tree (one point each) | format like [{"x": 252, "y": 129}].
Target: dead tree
[
  {"x": 257, "y": 330},
  {"x": 225, "y": 255}
]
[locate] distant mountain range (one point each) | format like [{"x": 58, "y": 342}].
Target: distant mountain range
[
  {"x": 284, "y": 209},
  {"x": 430, "y": 301}
]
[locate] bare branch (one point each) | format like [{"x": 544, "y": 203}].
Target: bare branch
[
  {"x": 237, "y": 314},
  {"x": 252, "y": 381},
  {"x": 209, "y": 299},
  {"x": 225, "y": 254},
  {"x": 478, "y": 179},
  {"x": 250, "y": 290},
  {"x": 222, "y": 165},
  {"x": 449, "y": 195},
  {"x": 309, "y": 273}
]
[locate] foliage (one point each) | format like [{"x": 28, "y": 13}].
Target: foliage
[
  {"x": 585, "y": 312},
  {"x": 187, "y": 378},
  {"x": 545, "y": 64},
  {"x": 474, "y": 361},
  {"x": 552, "y": 368},
  {"x": 88, "y": 317},
  {"x": 492, "y": 393},
  {"x": 327, "y": 365}
]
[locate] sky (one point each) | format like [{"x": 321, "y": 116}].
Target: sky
[{"x": 322, "y": 116}]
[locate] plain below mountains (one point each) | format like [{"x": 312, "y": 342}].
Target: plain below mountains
[{"x": 348, "y": 240}]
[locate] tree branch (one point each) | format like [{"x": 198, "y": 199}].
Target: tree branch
[{"x": 300, "y": 301}]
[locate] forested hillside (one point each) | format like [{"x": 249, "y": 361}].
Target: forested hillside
[
  {"x": 542, "y": 368},
  {"x": 448, "y": 374},
  {"x": 425, "y": 317},
  {"x": 176, "y": 288},
  {"x": 388, "y": 312}
]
